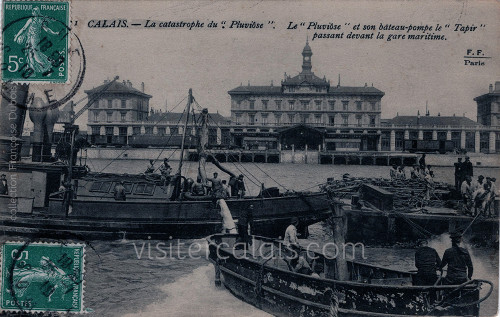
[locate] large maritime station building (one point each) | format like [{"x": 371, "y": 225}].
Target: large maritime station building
[{"x": 305, "y": 118}]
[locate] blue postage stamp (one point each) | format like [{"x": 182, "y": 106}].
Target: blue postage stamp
[{"x": 42, "y": 277}]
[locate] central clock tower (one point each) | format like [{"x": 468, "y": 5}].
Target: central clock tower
[{"x": 306, "y": 58}]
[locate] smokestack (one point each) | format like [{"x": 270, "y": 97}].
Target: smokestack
[
  {"x": 497, "y": 86},
  {"x": 491, "y": 88},
  {"x": 13, "y": 109},
  {"x": 37, "y": 116},
  {"x": 142, "y": 86}
]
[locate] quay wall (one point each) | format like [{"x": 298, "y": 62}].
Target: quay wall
[{"x": 285, "y": 156}]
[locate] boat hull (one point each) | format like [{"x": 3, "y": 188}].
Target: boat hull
[
  {"x": 375, "y": 227},
  {"x": 105, "y": 219},
  {"x": 283, "y": 293}
]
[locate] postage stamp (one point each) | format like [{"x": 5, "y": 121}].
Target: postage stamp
[
  {"x": 35, "y": 41},
  {"x": 42, "y": 277}
]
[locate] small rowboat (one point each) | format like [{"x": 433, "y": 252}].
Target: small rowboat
[{"x": 259, "y": 275}]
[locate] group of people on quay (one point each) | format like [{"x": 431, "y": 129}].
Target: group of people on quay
[
  {"x": 418, "y": 171},
  {"x": 477, "y": 196}
]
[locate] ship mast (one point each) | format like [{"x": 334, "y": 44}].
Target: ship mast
[{"x": 190, "y": 100}]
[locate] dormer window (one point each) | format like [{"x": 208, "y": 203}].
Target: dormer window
[{"x": 291, "y": 104}]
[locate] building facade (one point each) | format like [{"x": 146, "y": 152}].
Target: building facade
[
  {"x": 260, "y": 113},
  {"x": 122, "y": 116},
  {"x": 488, "y": 106}
]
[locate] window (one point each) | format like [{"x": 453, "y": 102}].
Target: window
[
  {"x": 373, "y": 106},
  {"x": 238, "y": 118},
  {"x": 252, "y": 104},
  {"x": 110, "y": 103},
  {"x": 291, "y": 89},
  {"x": 291, "y": 104},
  {"x": 277, "y": 117},
  {"x": 136, "y": 130},
  {"x": 102, "y": 187},
  {"x": 122, "y": 131},
  {"x": 264, "y": 104},
  {"x": 359, "y": 105},
  {"x": 96, "y": 130},
  {"x": 149, "y": 130},
  {"x": 109, "y": 116},
  {"x": 251, "y": 119},
  {"x": 109, "y": 130},
  {"x": 359, "y": 120},
  {"x": 331, "y": 103},
  {"x": 372, "y": 121},
  {"x": 174, "y": 130},
  {"x": 345, "y": 105},
  {"x": 291, "y": 117},
  {"x": 144, "y": 189},
  {"x": 124, "y": 103},
  {"x": 317, "y": 119},
  {"x": 331, "y": 120},
  {"x": 278, "y": 104},
  {"x": 162, "y": 131},
  {"x": 318, "y": 104},
  {"x": 304, "y": 118},
  {"x": 305, "y": 104},
  {"x": 264, "y": 118},
  {"x": 123, "y": 116},
  {"x": 238, "y": 104},
  {"x": 345, "y": 120},
  {"x": 102, "y": 103},
  {"x": 96, "y": 115}
]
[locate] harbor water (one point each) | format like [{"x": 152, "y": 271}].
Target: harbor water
[{"x": 173, "y": 278}]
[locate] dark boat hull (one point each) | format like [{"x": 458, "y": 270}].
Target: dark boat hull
[
  {"x": 385, "y": 227},
  {"x": 105, "y": 219},
  {"x": 283, "y": 293}
]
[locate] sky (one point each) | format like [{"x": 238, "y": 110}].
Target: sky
[{"x": 213, "y": 61}]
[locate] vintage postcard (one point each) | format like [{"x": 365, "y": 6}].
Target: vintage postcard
[{"x": 249, "y": 158}]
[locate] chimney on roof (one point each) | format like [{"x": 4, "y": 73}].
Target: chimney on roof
[
  {"x": 439, "y": 114},
  {"x": 497, "y": 86},
  {"x": 454, "y": 115},
  {"x": 142, "y": 86},
  {"x": 249, "y": 83},
  {"x": 372, "y": 84},
  {"x": 285, "y": 75},
  {"x": 338, "y": 84},
  {"x": 366, "y": 85},
  {"x": 491, "y": 88},
  {"x": 272, "y": 84}
]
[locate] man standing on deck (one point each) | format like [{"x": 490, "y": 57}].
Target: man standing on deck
[
  {"x": 458, "y": 173},
  {"x": 233, "y": 183},
  {"x": 240, "y": 184},
  {"x": 245, "y": 224},
  {"x": 4, "y": 188},
  {"x": 427, "y": 262},
  {"x": 459, "y": 263},
  {"x": 421, "y": 162},
  {"x": 151, "y": 167},
  {"x": 120, "y": 191},
  {"x": 467, "y": 190},
  {"x": 291, "y": 233}
]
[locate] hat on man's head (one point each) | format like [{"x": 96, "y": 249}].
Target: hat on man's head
[
  {"x": 455, "y": 234},
  {"x": 241, "y": 176},
  {"x": 481, "y": 177},
  {"x": 294, "y": 221}
]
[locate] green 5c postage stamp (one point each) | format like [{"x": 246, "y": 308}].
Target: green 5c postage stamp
[
  {"x": 35, "y": 41},
  {"x": 42, "y": 277}
]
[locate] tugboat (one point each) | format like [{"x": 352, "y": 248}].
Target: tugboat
[{"x": 85, "y": 205}]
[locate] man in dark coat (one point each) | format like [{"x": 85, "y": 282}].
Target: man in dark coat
[
  {"x": 244, "y": 222},
  {"x": 119, "y": 191},
  {"x": 459, "y": 263},
  {"x": 467, "y": 168},
  {"x": 427, "y": 262},
  {"x": 421, "y": 162},
  {"x": 458, "y": 174}
]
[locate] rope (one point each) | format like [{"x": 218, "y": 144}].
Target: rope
[{"x": 334, "y": 305}]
